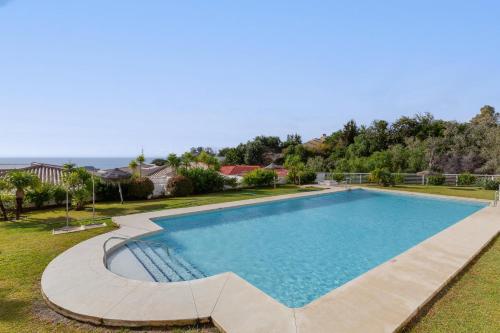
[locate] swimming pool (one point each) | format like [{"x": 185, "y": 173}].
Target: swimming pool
[{"x": 299, "y": 249}]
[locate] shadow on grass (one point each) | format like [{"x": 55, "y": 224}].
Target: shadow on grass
[{"x": 11, "y": 310}]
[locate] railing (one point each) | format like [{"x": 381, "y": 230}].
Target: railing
[
  {"x": 408, "y": 178},
  {"x": 128, "y": 240}
]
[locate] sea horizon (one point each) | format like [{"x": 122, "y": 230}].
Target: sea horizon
[{"x": 97, "y": 162}]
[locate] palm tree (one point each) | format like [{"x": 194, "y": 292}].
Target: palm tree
[
  {"x": 21, "y": 180},
  {"x": 4, "y": 187},
  {"x": 173, "y": 161},
  {"x": 141, "y": 160},
  {"x": 133, "y": 166}
]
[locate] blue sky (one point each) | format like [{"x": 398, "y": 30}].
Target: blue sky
[{"x": 105, "y": 78}]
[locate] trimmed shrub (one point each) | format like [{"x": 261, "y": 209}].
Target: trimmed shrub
[
  {"x": 230, "y": 182},
  {"x": 399, "y": 178},
  {"x": 204, "y": 180},
  {"x": 259, "y": 177},
  {"x": 59, "y": 195},
  {"x": 436, "y": 179},
  {"x": 40, "y": 195},
  {"x": 466, "y": 179},
  {"x": 108, "y": 191},
  {"x": 381, "y": 176},
  {"x": 80, "y": 197},
  {"x": 489, "y": 184},
  {"x": 179, "y": 186},
  {"x": 307, "y": 176},
  {"x": 139, "y": 188}
]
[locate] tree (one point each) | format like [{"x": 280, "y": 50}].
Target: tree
[
  {"x": 186, "y": 159},
  {"x": 5, "y": 188},
  {"x": 78, "y": 183},
  {"x": 140, "y": 159},
  {"x": 316, "y": 164},
  {"x": 173, "y": 161},
  {"x": 294, "y": 165},
  {"x": 349, "y": 132},
  {"x": 234, "y": 156},
  {"x": 209, "y": 160},
  {"x": 253, "y": 153},
  {"x": 487, "y": 116},
  {"x": 133, "y": 166},
  {"x": 21, "y": 181}
]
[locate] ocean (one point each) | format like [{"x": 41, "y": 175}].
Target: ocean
[{"x": 97, "y": 162}]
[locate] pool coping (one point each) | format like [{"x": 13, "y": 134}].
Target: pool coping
[{"x": 384, "y": 299}]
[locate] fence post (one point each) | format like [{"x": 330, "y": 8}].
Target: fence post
[
  {"x": 360, "y": 178},
  {"x": 456, "y": 180},
  {"x": 423, "y": 180}
]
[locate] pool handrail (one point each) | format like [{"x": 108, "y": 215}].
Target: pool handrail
[{"x": 127, "y": 240}]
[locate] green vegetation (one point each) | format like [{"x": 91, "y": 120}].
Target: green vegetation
[
  {"x": 180, "y": 186},
  {"x": 204, "y": 180},
  {"x": 470, "y": 304},
  {"x": 259, "y": 177},
  {"x": 436, "y": 179},
  {"x": 27, "y": 246},
  {"x": 409, "y": 144}
]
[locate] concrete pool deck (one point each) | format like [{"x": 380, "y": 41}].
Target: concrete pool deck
[{"x": 78, "y": 285}]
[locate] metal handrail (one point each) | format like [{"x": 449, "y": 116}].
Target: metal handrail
[{"x": 127, "y": 240}]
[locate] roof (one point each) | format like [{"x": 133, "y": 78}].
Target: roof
[
  {"x": 48, "y": 173},
  {"x": 316, "y": 143},
  {"x": 237, "y": 170},
  {"x": 162, "y": 172}
]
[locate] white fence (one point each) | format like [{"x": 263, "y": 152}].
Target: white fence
[{"x": 409, "y": 178}]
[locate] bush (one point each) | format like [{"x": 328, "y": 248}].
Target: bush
[
  {"x": 40, "y": 194},
  {"x": 436, "y": 179},
  {"x": 204, "y": 180},
  {"x": 381, "y": 176},
  {"x": 80, "y": 197},
  {"x": 466, "y": 179},
  {"x": 108, "y": 191},
  {"x": 230, "y": 182},
  {"x": 489, "y": 184},
  {"x": 179, "y": 186},
  {"x": 259, "y": 177},
  {"x": 399, "y": 178},
  {"x": 139, "y": 188},
  {"x": 338, "y": 176},
  {"x": 59, "y": 194},
  {"x": 307, "y": 176}
]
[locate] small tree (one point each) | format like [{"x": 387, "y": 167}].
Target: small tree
[
  {"x": 5, "y": 189},
  {"x": 133, "y": 166},
  {"x": 381, "y": 176},
  {"x": 173, "y": 161},
  {"x": 21, "y": 181},
  {"x": 40, "y": 194},
  {"x": 78, "y": 182},
  {"x": 140, "y": 159},
  {"x": 294, "y": 165}
]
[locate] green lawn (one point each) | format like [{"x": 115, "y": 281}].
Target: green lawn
[
  {"x": 471, "y": 304},
  {"x": 28, "y": 246},
  {"x": 456, "y": 191}
]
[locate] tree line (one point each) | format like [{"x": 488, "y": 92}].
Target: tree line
[{"x": 409, "y": 144}]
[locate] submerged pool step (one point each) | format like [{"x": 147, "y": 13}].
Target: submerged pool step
[
  {"x": 149, "y": 265},
  {"x": 162, "y": 264}
]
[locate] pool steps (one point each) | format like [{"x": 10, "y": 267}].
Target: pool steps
[{"x": 163, "y": 264}]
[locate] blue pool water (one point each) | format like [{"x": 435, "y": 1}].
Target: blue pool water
[{"x": 298, "y": 250}]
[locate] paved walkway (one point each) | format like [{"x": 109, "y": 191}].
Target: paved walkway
[{"x": 78, "y": 285}]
